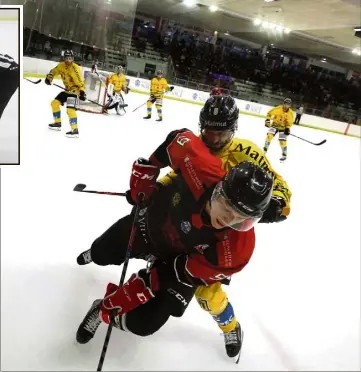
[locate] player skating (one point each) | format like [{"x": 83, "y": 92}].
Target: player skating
[
  {"x": 74, "y": 89},
  {"x": 116, "y": 84},
  {"x": 282, "y": 120},
  {"x": 158, "y": 86},
  {"x": 199, "y": 228},
  {"x": 217, "y": 132}
]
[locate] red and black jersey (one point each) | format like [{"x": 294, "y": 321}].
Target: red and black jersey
[
  {"x": 216, "y": 92},
  {"x": 179, "y": 229}
]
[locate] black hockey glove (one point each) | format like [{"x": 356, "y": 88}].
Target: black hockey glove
[
  {"x": 129, "y": 198},
  {"x": 49, "y": 79},
  {"x": 152, "y": 98},
  {"x": 274, "y": 210},
  {"x": 267, "y": 123},
  {"x": 82, "y": 95},
  {"x": 127, "y": 90},
  {"x": 171, "y": 88},
  {"x": 287, "y": 131}
]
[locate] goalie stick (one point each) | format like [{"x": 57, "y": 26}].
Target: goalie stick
[
  {"x": 81, "y": 186},
  {"x": 312, "y": 143},
  {"x": 34, "y": 82}
]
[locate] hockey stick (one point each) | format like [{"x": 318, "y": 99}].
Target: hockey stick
[
  {"x": 140, "y": 106},
  {"x": 34, "y": 82},
  {"x": 312, "y": 143},
  {"x": 81, "y": 186},
  {"x": 121, "y": 282}
]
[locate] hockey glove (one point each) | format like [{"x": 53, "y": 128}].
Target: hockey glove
[
  {"x": 267, "y": 123},
  {"x": 171, "y": 88},
  {"x": 138, "y": 290},
  {"x": 143, "y": 181},
  {"x": 82, "y": 95},
  {"x": 287, "y": 131},
  {"x": 152, "y": 98},
  {"x": 274, "y": 211},
  {"x": 127, "y": 90},
  {"x": 129, "y": 198},
  {"x": 49, "y": 79}
]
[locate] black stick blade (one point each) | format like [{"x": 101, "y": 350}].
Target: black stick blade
[
  {"x": 321, "y": 143},
  {"x": 79, "y": 187}
]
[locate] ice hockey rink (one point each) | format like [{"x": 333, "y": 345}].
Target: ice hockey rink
[{"x": 298, "y": 300}]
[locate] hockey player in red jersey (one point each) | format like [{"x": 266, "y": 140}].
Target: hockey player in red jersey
[
  {"x": 216, "y": 92},
  {"x": 199, "y": 229}
]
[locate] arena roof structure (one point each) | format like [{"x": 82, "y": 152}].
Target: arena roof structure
[{"x": 318, "y": 28}]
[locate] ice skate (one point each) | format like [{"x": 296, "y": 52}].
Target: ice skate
[
  {"x": 233, "y": 341},
  {"x": 90, "y": 324},
  {"x": 147, "y": 117},
  {"x": 73, "y": 133},
  {"x": 55, "y": 126},
  {"x": 84, "y": 258},
  {"x": 283, "y": 158},
  {"x": 159, "y": 119}
]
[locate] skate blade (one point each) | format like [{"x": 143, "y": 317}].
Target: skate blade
[
  {"x": 56, "y": 129},
  {"x": 237, "y": 357},
  {"x": 72, "y": 135}
]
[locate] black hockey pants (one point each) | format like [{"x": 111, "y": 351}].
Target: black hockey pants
[
  {"x": 173, "y": 297},
  {"x": 10, "y": 82}
]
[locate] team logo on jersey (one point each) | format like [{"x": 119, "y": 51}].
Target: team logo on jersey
[
  {"x": 186, "y": 227},
  {"x": 201, "y": 248},
  {"x": 142, "y": 211},
  {"x": 176, "y": 199}
]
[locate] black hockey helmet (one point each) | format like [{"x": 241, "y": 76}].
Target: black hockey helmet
[
  {"x": 247, "y": 190},
  {"x": 68, "y": 53},
  {"x": 287, "y": 101},
  {"x": 219, "y": 113}
]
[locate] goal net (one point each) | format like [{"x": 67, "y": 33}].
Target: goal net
[{"x": 95, "y": 90}]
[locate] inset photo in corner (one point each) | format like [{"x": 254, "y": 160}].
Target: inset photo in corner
[{"x": 10, "y": 92}]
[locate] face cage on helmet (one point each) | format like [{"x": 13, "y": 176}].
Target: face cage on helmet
[{"x": 248, "y": 221}]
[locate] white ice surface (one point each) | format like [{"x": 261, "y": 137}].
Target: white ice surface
[
  {"x": 298, "y": 299},
  {"x": 9, "y": 123}
]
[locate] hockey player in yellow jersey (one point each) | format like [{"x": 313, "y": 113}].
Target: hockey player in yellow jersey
[
  {"x": 282, "y": 120},
  {"x": 74, "y": 89},
  {"x": 218, "y": 135},
  {"x": 158, "y": 86},
  {"x": 116, "y": 84}
]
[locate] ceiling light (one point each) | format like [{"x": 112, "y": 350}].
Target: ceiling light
[
  {"x": 279, "y": 28},
  {"x": 257, "y": 22},
  {"x": 226, "y": 33},
  {"x": 356, "y": 51},
  {"x": 357, "y": 29},
  {"x": 265, "y": 24},
  {"x": 189, "y": 3},
  {"x": 287, "y": 30},
  {"x": 213, "y": 8},
  {"x": 268, "y": 1}
]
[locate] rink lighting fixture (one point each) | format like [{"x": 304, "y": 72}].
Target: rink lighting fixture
[
  {"x": 189, "y": 3},
  {"x": 323, "y": 60},
  {"x": 213, "y": 8},
  {"x": 357, "y": 29},
  {"x": 227, "y": 33},
  {"x": 271, "y": 26},
  {"x": 257, "y": 22},
  {"x": 356, "y": 52}
]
